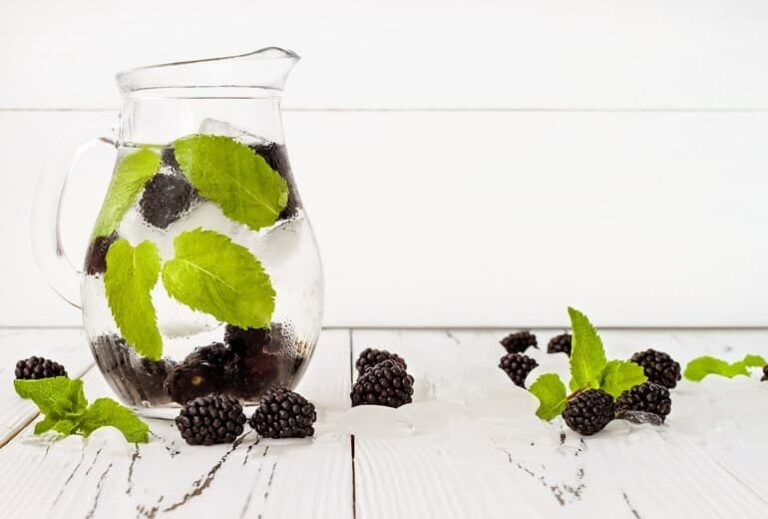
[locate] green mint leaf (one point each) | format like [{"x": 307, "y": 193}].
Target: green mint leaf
[
  {"x": 44, "y": 425},
  {"x": 105, "y": 412},
  {"x": 550, "y": 391},
  {"x": 587, "y": 353},
  {"x": 754, "y": 361},
  {"x": 234, "y": 177},
  {"x": 127, "y": 182},
  {"x": 700, "y": 367},
  {"x": 212, "y": 274},
  {"x": 620, "y": 375},
  {"x": 56, "y": 397},
  {"x": 131, "y": 274}
]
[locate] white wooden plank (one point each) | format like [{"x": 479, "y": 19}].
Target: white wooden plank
[
  {"x": 641, "y": 219},
  {"x": 67, "y": 347},
  {"x": 397, "y": 54},
  {"x": 105, "y": 477},
  {"x": 488, "y": 468}
]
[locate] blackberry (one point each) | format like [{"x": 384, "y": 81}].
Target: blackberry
[
  {"x": 659, "y": 367},
  {"x": 211, "y": 419},
  {"x": 518, "y": 342},
  {"x": 284, "y": 414},
  {"x": 369, "y": 357},
  {"x": 647, "y": 397},
  {"x": 560, "y": 344},
  {"x": 165, "y": 199},
  {"x": 168, "y": 160},
  {"x": 765, "y": 373},
  {"x": 277, "y": 159},
  {"x": 208, "y": 369},
  {"x": 589, "y": 411},
  {"x": 38, "y": 367},
  {"x": 386, "y": 383},
  {"x": 517, "y": 366},
  {"x": 96, "y": 256},
  {"x": 243, "y": 341}
]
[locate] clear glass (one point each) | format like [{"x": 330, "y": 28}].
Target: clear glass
[{"x": 236, "y": 97}]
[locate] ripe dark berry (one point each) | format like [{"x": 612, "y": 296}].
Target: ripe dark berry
[
  {"x": 560, "y": 344},
  {"x": 589, "y": 411},
  {"x": 284, "y": 414},
  {"x": 38, "y": 367},
  {"x": 386, "y": 383},
  {"x": 765, "y": 373},
  {"x": 277, "y": 159},
  {"x": 208, "y": 369},
  {"x": 244, "y": 341},
  {"x": 659, "y": 367},
  {"x": 369, "y": 357},
  {"x": 211, "y": 419},
  {"x": 165, "y": 199},
  {"x": 517, "y": 366},
  {"x": 96, "y": 257},
  {"x": 518, "y": 342},
  {"x": 647, "y": 397}
]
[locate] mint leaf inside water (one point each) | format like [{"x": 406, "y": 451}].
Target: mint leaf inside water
[
  {"x": 131, "y": 274},
  {"x": 621, "y": 375},
  {"x": 234, "y": 177},
  {"x": 212, "y": 274},
  {"x": 587, "y": 353},
  {"x": 130, "y": 175},
  {"x": 550, "y": 391},
  {"x": 66, "y": 411}
]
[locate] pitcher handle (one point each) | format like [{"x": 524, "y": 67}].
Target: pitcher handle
[{"x": 47, "y": 245}]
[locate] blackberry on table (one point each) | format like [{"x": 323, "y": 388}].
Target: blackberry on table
[
  {"x": 386, "y": 383},
  {"x": 35, "y": 368},
  {"x": 369, "y": 357},
  {"x": 765, "y": 373},
  {"x": 165, "y": 199},
  {"x": 283, "y": 413},
  {"x": 96, "y": 256},
  {"x": 208, "y": 369},
  {"x": 647, "y": 397},
  {"x": 589, "y": 411},
  {"x": 518, "y": 342},
  {"x": 659, "y": 367},
  {"x": 206, "y": 420},
  {"x": 517, "y": 366},
  {"x": 560, "y": 344}
]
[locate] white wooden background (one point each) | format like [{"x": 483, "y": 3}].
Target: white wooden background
[{"x": 464, "y": 163}]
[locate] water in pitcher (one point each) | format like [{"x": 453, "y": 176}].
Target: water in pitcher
[{"x": 201, "y": 353}]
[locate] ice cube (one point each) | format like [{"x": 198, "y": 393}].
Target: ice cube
[{"x": 211, "y": 126}]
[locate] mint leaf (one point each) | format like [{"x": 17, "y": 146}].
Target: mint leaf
[
  {"x": 620, "y": 375},
  {"x": 131, "y": 274},
  {"x": 587, "y": 353},
  {"x": 56, "y": 397},
  {"x": 212, "y": 274},
  {"x": 550, "y": 391},
  {"x": 700, "y": 367},
  {"x": 234, "y": 177},
  {"x": 105, "y": 412},
  {"x": 66, "y": 411},
  {"x": 753, "y": 361},
  {"x": 129, "y": 178}
]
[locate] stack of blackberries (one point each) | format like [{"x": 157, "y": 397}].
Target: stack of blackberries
[
  {"x": 35, "y": 368},
  {"x": 515, "y": 363},
  {"x": 382, "y": 380}
]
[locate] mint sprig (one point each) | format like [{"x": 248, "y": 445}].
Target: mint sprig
[
  {"x": 701, "y": 367},
  {"x": 590, "y": 369},
  {"x": 66, "y": 411}
]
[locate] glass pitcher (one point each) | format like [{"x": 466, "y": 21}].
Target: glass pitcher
[{"x": 202, "y": 274}]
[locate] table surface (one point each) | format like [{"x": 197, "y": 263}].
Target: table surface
[{"x": 484, "y": 455}]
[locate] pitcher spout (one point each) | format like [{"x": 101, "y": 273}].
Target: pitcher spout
[{"x": 266, "y": 68}]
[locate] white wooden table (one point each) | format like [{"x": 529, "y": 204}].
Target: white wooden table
[{"x": 437, "y": 458}]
